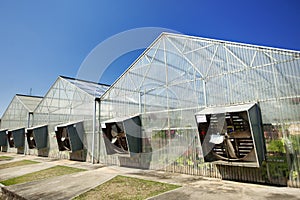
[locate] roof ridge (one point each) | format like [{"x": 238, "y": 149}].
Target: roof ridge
[
  {"x": 86, "y": 81},
  {"x": 27, "y": 95}
]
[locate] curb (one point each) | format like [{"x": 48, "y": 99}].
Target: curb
[
  {"x": 7, "y": 194},
  {"x": 94, "y": 187},
  {"x": 170, "y": 191}
]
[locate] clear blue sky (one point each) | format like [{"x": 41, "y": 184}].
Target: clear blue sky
[{"x": 40, "y": 40}]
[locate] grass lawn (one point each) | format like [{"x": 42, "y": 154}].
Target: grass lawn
[
  {"x": 5, "y": 158},
  {"x": 43, "y": 174},
  {"x": 17, "y": 163},
  {"x": 122, "y": 187}
]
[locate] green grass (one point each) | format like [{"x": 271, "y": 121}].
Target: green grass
[
  {"x": 122, "y": 187},
  {"x": 2, "y": 158},
  {"x": 17, "y": 163},
  {"x": 43, "y": 174}
]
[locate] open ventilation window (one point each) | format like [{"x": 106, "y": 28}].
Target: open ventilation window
[
  {"x": 16, "y": 137},
  {"x": 37, "y": 137},
  {"x": 3, "y": 137},
  {"x": 10, "y": 139},
  {"x": 69, "y": 136},
  {"x": 232, "y": 135},
  {"x": 122, "y": 135}
]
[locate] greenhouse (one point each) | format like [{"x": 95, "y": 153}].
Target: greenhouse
[
  {"x": 68, "y": 116},
  {"x": 207, "y": 107},
  {"x": 17, "y": 117}
]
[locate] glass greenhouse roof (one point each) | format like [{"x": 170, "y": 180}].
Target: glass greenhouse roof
[
  {"x": 30, "y": 102},
  {"x": 16, "y": 114},
  {"x": 92, "y": 88},
  {"x": 181, "y": 72}
]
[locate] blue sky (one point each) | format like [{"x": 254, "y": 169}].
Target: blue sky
[{"x": 40, "y": 40}]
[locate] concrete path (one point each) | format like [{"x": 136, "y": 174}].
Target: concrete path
[
  {"x": 193, "y": 187},
  {"x": 62, "y": 187},
  {"x": 44, "y": 163},
  {"x": 21, "y": 170},
  {"x": 196, "y": 187},
  {"x": 15, "y": 157},
  {"x": 227, "y": 190},
  {"x": 12, "y": 172}
]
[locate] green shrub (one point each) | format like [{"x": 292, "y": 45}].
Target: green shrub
[{"x": 276, "y": 146}]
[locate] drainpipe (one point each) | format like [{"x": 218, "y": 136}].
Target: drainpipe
[
  {"x": 29, "y": 119},
  {"x": 204, "y": 93},
  {"x": 140, "y": 102},
  {"x": 28, "y": 125},
  {"x": 94, "y": 129},
  {"x": 99, "y": 130}
]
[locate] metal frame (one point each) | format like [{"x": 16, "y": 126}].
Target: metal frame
[
  {"x": 179, "y": 75},
  {"x": 67, "y": 100}
]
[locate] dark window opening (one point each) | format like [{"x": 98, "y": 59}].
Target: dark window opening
[
  {"x": 10, "y": 139},
  {"x": 116, "y": 135},
  {"x": 37, "y": 137},
  {"x": 63, "y": 139},
  {"x": 3, "y": 138},
  {"x": 30, "y": 139},
  {"x": 70, "y": 136},
  {"x": 123, "y": 136}
]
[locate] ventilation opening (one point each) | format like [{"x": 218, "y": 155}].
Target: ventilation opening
[
  {"x": 10, "y": 139},
  {"x": 37, "y": 137},
  {"x": 70, "y": 136},
  {"x": 116, "y": 141},
  {"x": 63, "y": 139},
  {"x": 30, "y": 139},
  {"x": 16, "y": 138},
  {"x": 123, "y": 135},
  {"x": 231, "y": 135}
]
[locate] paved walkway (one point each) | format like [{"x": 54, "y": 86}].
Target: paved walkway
[
  {"x": 62, "y": 187},
  {"x": 21, "y": 170},
  {"x": 193, "y": 187}
]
